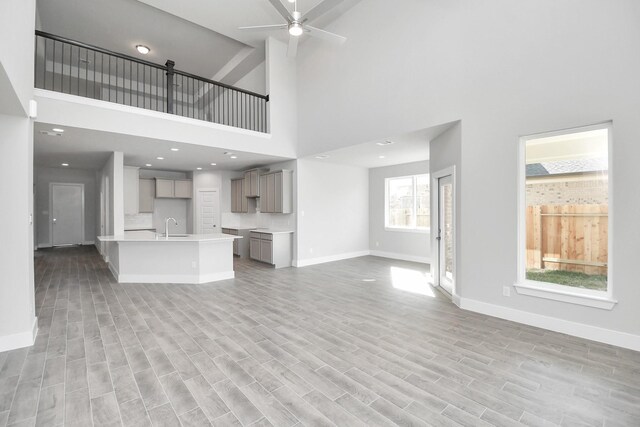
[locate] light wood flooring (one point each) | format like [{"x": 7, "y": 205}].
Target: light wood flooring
[{"x": 308, "y": 346}]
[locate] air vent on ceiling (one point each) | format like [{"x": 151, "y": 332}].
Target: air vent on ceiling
[
  {"x": 385, "y": 142},
  {"x": 49, "y": 133}
]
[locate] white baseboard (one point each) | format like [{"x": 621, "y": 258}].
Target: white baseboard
[
  {"x": 114, "y": 271},
  {"x": 593, "y": 333},
  {"x": 21, "y": 339},
  {"x": 402, "y": 257},
  {"x": 175, "y": 278},
  {"x": 330, "y": 258},
  {"x": 49, "y": 245}
]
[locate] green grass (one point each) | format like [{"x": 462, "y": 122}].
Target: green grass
[{"x": 570, "y": 278}]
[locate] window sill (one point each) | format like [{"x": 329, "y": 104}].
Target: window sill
[
  {"x": 585, "y": 297},
  {"x": 408, "y": 230}
]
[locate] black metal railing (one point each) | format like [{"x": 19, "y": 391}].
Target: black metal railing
[{"x": 68, "y": 66}]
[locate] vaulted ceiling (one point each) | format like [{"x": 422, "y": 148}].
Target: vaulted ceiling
[{"x": 201, "y": 36}]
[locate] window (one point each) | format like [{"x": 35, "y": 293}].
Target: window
[
  {"x": 564, "y": 213},
  {"x": 407, "y": 203}
]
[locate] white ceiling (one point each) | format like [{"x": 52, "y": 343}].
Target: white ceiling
[
  {"x": 201, "y": 36},
  {"x": 406, "y": 148},
  {"x": 89, "y": 149}
]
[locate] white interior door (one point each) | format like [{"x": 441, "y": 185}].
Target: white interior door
[
  {"x": 67, "y": 214},
  {"x": 446, "y": 234},
  {"x": 208, "y": 212}
]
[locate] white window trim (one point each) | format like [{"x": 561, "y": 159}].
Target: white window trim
[
  {"x": 425, "y": 230},
  {"x": 553, "y": 291}
]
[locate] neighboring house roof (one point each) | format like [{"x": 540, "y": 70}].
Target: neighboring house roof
[{"x": 567, "y": 166}]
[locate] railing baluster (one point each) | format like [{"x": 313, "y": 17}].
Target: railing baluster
[{"x": 199, "y": 98}]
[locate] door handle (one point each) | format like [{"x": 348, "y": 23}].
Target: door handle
[{"x": 54, "y": 220}]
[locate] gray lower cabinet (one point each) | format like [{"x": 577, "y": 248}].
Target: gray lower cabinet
[
  {"x": 240, "y": 246},
  {"x": 271, "y": 248}
]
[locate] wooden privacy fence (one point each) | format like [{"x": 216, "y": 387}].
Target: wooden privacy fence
[{"x": 568, "y": 237}]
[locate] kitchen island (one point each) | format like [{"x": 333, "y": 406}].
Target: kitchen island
[{"x": 146, "y": 257}]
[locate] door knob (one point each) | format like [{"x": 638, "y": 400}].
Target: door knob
[{"x": 54, "y": 220}]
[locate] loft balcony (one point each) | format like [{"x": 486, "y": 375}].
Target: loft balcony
[{"x": 71, "y": 67}]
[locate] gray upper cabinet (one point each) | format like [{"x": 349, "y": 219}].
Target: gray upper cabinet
[
  {"x": 276, "y": 192},
  {"x": 174, "y": 189},
  {"x": 183, "y": 188},
  {"x": 252, "y": 183},
  {"x": 147, "y": 192},
  {"x": 164, "y": 188},
  {"x": 239, "y": 203}
]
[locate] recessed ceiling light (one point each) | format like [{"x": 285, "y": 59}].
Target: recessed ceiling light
[
  {"x": 213, "y": 164},
  {"x": 142, "y": 49},
  {"x": 199, "y": 169},
  {"x": 58, "y": 130},
  {"x": 381, "y": 157},
  {"x": 65, "y": 164},
  {"x": 233, "y": 157},
  {"x": 387, "y": 142},
  {"x": 148, "y": 165},
  {"x": 175, "y": 149},
  {"x": 322, "y": 156},
  {"x": 160, "y": 158}
]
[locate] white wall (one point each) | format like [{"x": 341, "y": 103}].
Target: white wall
[
  {"x": 254, "y": 80},
  {"x": 113, "y": 172},
  {"x": 17, "y": 32},
  {"x": 333, "y": 212},
  {"x": 45, "y": 176},
  {"x": 282, "y": 79},
  {"x": 17, "y": 309},
  {"x": 410, "y": 246},
  {"x": 505, "y": 69}
]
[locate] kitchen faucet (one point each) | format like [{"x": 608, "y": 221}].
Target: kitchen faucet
[{"x": 166, "y": 226}]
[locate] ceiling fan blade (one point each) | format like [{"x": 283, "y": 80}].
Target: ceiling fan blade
[
  {"x": 292, "y": 50},
  {"x": 324, "y": 35},
  {"x": 321, "y": 9},
  {"x": 264, "y": 27},
  {"x": 282, "y": 9}
]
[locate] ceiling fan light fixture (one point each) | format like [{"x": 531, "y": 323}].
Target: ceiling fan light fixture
[{"x": 295, "y": 29}]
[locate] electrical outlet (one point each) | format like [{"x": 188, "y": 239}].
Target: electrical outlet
[
  {"x": 377, "y": 244},
  {"x": 310, "y": 250},
  {"x": 506, "y": 291},
  {"x": 193, "y": 264}
]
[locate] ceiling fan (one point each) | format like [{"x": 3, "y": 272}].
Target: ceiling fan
[{"x": 297, "y": 23}]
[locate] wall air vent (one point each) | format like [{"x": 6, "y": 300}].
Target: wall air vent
[
  {"x": 387, "y": 142},
  {"x": 49, "y": 133}
]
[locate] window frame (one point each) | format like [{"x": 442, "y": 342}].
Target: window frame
[
  {"x": 414, "y": 228},
  {"x": 554, "y": 291}
]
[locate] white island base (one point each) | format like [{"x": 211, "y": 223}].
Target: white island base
[{"x": 193, "y": 259}]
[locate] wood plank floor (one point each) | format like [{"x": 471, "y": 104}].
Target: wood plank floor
[{"x": 309, "y": 346}]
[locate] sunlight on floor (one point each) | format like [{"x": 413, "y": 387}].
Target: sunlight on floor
[{"x": 414, "y": 281}]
